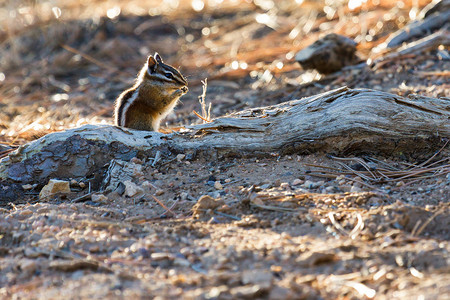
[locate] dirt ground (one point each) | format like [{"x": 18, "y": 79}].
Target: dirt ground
[{"x": 268, "y": 227}]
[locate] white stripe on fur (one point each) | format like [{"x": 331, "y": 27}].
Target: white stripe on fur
[{"x": 127, "y": 106}]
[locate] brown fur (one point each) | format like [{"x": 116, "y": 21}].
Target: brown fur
[{"x": 155, "y": 99}]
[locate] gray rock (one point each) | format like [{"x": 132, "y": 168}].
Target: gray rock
[{"x": 328, "y": 54}]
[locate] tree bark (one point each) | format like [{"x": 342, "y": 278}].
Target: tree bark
[{"x": 343, "y": 121}]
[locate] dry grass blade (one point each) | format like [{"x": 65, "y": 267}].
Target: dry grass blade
[
  {"x": 82, "y": 198},
  {"x": 355, "y": 231},
  {"x": 276, "y": 208},
  {"x": 206, "y": 113},
  {"x": 388, "y": 173},
  {"x": 198, "y": 115},
  {"x": 163, "y": 206},
  {"x": 336, "y": 224},
  {"x": 358, "y": 227},
  {"x": 227, "y": 215},
  {"x": 89, "y": 58},
  {"x": 424, "y": 225},
  {"x": 362, "y": 289},
  {"x": 380, "y": 162},
  {"x": 6, "y": 152},
  {"x": 10, "y": 144},
  {"x": 434, "y": 73},
  {"x": 360, "y": 161},
  {"x": 434, "y": 155},
  {"x": 358, "y": 173}
]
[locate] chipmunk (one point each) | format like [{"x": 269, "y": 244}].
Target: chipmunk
[{"x": 152, "y": 98}]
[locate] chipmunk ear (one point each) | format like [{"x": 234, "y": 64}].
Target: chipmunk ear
[
  {"x": 158, "y": 58},
  {"x": 151, "y": 64}
]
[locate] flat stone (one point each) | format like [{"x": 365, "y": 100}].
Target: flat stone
[
  {"x": 218, "y": 185},
  {"x": 132, "y": 189},
  {"x": 54, "y": 186},
  {"x": 328, "y": 54}
]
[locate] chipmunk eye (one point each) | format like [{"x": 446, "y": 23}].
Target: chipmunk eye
[{"x": 169, "y": 75}]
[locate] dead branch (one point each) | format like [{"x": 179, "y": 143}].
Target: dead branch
[{"x": 341, "y": 121}]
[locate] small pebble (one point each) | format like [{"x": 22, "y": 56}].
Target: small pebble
[
  {"x": 82, "y": 185},
  {"x": 285, "y": 186},
  {"x": 132, "y": 189},
  {"x": 160, "y": 256},
  {"x": 266, "y": 186},
  {"x": 136, "y": 161},
  {"x": 146, "y": 184},
  {"x": 54, "y": 186},
  {"x": 329, "y": 189},
  {"x": 180, "y": 157},
  {"x": 26, "y": 212},
  {"x": 28, "y": 265},
  {"x": 218, "y": 185},
  {"x": 181, "y": 262},
  {"x": 99, "y": 198},
  {"x": 310, "y": 184},
  {"x": 355, "y": 189},
  {"x": 94, "y": 248},
  {"x": 159, "y": 192},
  {"x": 27, "y": 187},
  {"x": 297, "y": 181},
  {"x": 339, "y": 178}
]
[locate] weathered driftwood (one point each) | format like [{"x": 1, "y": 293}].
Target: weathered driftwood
[
  {"x": 433, "y": 41},
  {"x": 419, "y": 29},
  {"x": 341, "y": 121}
]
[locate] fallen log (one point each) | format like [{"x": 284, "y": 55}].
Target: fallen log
[
  {"x": 341, "y": 121},
  {"x": 419, "y": 29}
]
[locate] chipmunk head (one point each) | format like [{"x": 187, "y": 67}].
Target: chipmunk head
[{"x": 161, "y": 74}]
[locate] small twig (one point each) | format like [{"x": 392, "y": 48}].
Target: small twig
[
  {"x": 170, "y": 208},
  {"x": 227, "y": 215},
  {"x": 89, "y": 58},
  {"x": 416, "y": 226},
  {"x": 363, "y": 163},
  {"x": 337, "y": 225},
  {"x": 358, "y": 227},
  {"x": 163, "y": 206},
  {"x": 355, "y": 172},
  {"x": 424, "y": 225},
  {"x": 365, "y": 184},
  {"x": 440, "y": 150},
  {"x": 439, "y": 161},
  {"x": 198, "y": 269},
  {"x": 157, "y": 157},
  {"x": 167, "y": 162},
  {"x": 82, "y": 198},
  {"x": 435, "y": 73},
  {"x": 275, "y": 208},
  {"x": 6, "y": 152},
  {"x": 10, "y": 144},
  {"x": 362, "y": 289},
  {"x": 198, "y": 115},
  {"x": 382, "y": 163},
  {"x": 206, "y": 113}
]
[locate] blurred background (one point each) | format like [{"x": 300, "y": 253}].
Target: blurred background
[{"x": 63, "y": 63}]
